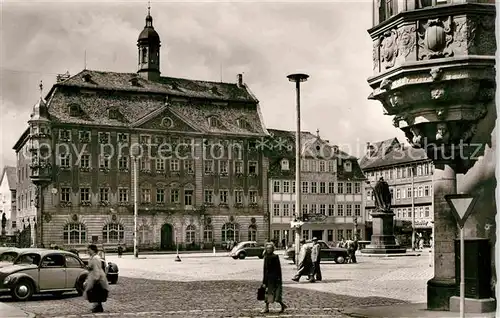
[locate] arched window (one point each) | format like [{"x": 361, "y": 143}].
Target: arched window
[
  {"x": 144, "y": 235},
  {"x": 113, "y": 233},
  {"x": 285, "y": 164},
  {"x": 208, "y": 234},
  {"x": 190, "y": 233},
  {"x": 75, "y": 233},
  {"x": 144, "y": 55},
  {"x": 230, "y": 232},
  {"x": 252, "y": 232}
]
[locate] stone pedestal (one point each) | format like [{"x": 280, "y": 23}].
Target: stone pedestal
[
  {"x": 474, "y": 306},
  {"x": 383, "y": 240}
]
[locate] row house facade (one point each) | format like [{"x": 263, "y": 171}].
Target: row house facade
[
  {"x": 188, "y": 148},
  {"x": 8, "y": 202},
  {"x": 408, "y": 172},
  {"x": 331, "y": 195}
]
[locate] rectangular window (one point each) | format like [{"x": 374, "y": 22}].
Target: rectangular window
[
  {"x": 252, "y": 195},
  {"x": 160, "y": 195},
  {"x": 223, "y": 196},
  {"x": 357, "y": 188},
  {"x": 409, "y": 213},
  {"x": 331, "y": 187},
  {"x": 426, "y": 191},
  {"x": 427, "y": 211},
  {"x": 85, "y": 161},
  {"x": 398, "y": 194},
  {"x": 340, "y": 210},
  {"x": 314, "y": 209},
  {"x": 348, "y": 188},
  {"x": 322, "y": 166},
  {"x": 145, "y": 164},
  {"x": 209, "y": 195},
  {"x": 286, "y": 186},
  {"x": 322, "y": 209},
  {"x": 293, "y": 208},
  {"x": 340, "y": 235},
  {"x": 145, "y": 139},
  {"x": 314, "y": 166},
  {"x": 340, "y": 188},
  {"x": 276, "y": 186},
  {"x": 252, "y": 167},
  {"x": 123, "y": 163},
  {"x": 122, "y": 138},
  {"x": 174, "y": 196},
  {"x": 294, "y": 189},
  {"x": 160, "y": 164},
  {"x": 84, "y": 194},
  {"x": 189, "y": 166},
  {"x": 104, "y": 194},
  {"x": 305, "y": 187},
  {"x": 420, "y": 192},
  {"x": 65, "y": 194},
  {"x": 208, "y": 166},
  {"x": 188, "y": 197},
  {"x": 238, "y": 196},
  {"x": 223, "y": 167},
  {"x": 348, "y": 211},
  {"x": 314, "y": 187},
  {"x": 286, "y": 209},
  {"x": 408, "y": 192},
  {"x": 331, "y": 166},
  {"x": 304, "y": 209},
  {"x": 331, "y": 209},
  {"x": 174, "y": 165},
  {"x": 322, "y": 187},
  {"x": 357, "y": 210},
  {"x": 238, "y": 167},
  {"x": 305, "y": 234},
  {"x": 329, "y": 236},
  {"x": 65, "y": 135},
  {"x": 348, "y": 233},
  {"x": 276, "y": 209},
  {"x": 146, "y": 195},
  {"x": 123, "y": 195}
]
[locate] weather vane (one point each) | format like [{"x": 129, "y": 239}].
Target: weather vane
[
  {"x": 149, "y": 7},
  {"x": 41, "y": 88}
]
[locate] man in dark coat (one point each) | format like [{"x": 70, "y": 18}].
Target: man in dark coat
[
  {"x": 272, "y": 281},
  {"x": 315, "y": 258},
  {"x": 305, "y": 261}
]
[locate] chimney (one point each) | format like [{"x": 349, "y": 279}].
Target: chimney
[{"x": 240, "y": 80}]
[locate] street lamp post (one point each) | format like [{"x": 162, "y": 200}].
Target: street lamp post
[
  {"x": 135, "y": 158},
  {"x": 412, "y": 207},
  {"x": 297, "y": 78}
]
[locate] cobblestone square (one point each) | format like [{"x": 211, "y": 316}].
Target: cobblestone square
[{"x": 218, "y": 286}]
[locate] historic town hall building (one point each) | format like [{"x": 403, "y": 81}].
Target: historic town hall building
[{"x": 201, "y": 179}]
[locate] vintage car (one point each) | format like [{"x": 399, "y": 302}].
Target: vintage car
[
  {"x": 111, "y": 269},
  {"x": 337, "y": 254},
  {"x": 8, "y": 255},
  {"x": 43, "y": 271},
  {"x": 247, "y": 249}
]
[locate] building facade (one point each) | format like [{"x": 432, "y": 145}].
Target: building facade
[
  {"x": 187, "y": 147},
  {"x": 408, "y": 172},
  {"x": 8, "y": 204},
  {"x": 331, "y": 192}
]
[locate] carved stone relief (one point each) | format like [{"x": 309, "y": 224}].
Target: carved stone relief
[
  {"x": 442, "y": 133},
  {"x": 438, "y": 92},
  {"x": 436, "y": 73},
  {"x": 469, "y": 133},
  {"x": 465, "y": 32},
  {"x": 389, "y": 48},
  {"x": 486, "y": 37},
  {"x": 435, "y": 37},
  {"x": 406, "y": 40},
  {"x": 376, "y": 55}
]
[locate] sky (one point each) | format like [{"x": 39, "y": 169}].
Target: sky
[{"x": 265, "y": 41}]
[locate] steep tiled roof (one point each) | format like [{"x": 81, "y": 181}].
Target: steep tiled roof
[
  {"x": 390, "y": 152},
  {"x": 10, "y": 173},
  {"x": 166, "y": 85}
]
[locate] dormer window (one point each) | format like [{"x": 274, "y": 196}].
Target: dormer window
[
  {"x": 347, "y": 166},
  {"x": 113, "y": 113},
  {"x": 74, "y": 110},
  {"x": 214, "y": 122},
  {"x": 86, "y": 78},
  {"x": 285, "y": 164},
  {"x": 243, "y": 124}
]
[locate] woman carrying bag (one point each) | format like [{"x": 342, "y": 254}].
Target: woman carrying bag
[
  {"x": 96, "y": 285},
  {"x": 272, "y": 282}
]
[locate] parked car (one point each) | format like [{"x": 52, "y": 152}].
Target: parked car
[
  {"x": 43, "y": 271},
  {"x": 8, "y": 255},
  {"x": 111, "y": 269},
  {"x": 337, "y": 254},
  {"x": 247, "y": 249}
]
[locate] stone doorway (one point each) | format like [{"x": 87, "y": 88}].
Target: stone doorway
[
  {"x": 318, "y": 234},
  {"x": 167, "y": 237}
]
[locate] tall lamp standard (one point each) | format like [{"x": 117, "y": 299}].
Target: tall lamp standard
[
  {"x": 412, "y": 169},
  {"x": 135, "y": 153},
  {"x": 297, "y": 78}
]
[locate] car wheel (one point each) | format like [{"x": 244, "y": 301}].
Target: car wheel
[
  {"x": 79, "y": 286},
  {"x": 235, "y": 257},
  {"x": 340, "y": 260},
  {"x": 242, "y": 255},
  {"x": 23, "y": 290}
]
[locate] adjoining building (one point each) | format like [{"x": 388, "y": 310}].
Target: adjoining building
[
  {"x": 8, "y": 209},
  {"x": 408, "y": 172},
  {"x": 331, "y": 189},
  {"x": 193, "y": 144}
]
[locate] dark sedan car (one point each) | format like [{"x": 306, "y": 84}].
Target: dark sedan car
[
  {"x": 247, "y": 249},
  {"x": 336, "y": 254}
]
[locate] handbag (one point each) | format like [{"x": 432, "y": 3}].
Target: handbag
[
  {"x": 261, "y": 293},
  {"x": 97, "y": 294}
]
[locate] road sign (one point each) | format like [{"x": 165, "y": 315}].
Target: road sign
[{"x": 461, "y": 206}]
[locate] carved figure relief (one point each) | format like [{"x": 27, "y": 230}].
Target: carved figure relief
[
  {"x": 469, "y": 133},
  {"x": 436, "y": 73},
  {"x": 486, "y": 37},
  {"x": 465, "y": 33},
  {"x": 438, "y": 92},
  {"x": 396, "y": 100},
  {"x": 442, "y": 133},
  {"x": 435, "y": 36},
  {"x": 386, "y": 84},
  {"x": 389, "y": 48},
  {"x": 407, "y": 40},
  {"x": 416, "y": 140},
  {"x": 441, "y": 113}
]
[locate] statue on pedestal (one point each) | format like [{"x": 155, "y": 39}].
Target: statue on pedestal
[
  {"x": 383, "y": 196},
  {"x": 4, "y": 223}
]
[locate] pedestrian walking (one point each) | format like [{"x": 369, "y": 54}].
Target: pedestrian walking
[
  {"x": 96, "y": 284},
  {"x": 304, "y": 261},
  {"x": 316, "y": 259},
  {"x": 283, "y": 244},
  {"x": 272, "y": 281},
  {"x": 120, "y": 250}
]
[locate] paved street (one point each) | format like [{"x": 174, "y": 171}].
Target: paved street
[{"x": 208, "y": 286}]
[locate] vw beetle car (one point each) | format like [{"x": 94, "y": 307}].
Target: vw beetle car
[
  {"x": 337, "y": 254},
  {"x": 247, "y": 249},
  {"x": 8, "y": 255},
  {"x": 111, "y": 269},
  {"x": 43, "y": 271}
]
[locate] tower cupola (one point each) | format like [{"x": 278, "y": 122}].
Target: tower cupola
[{"x": 148, "y": 45}]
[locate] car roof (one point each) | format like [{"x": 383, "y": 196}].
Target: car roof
[
  {"x": 9, "y": 249},
  {"x": 43, "y": 251}
]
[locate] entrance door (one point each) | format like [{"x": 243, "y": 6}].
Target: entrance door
[
  {"x": 167, "y": 235},
  {"x": 318, "y": 234}
]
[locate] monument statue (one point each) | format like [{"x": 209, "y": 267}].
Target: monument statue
[
  {"x": 383, "y": 196},
  {"x": 4, "y": 223}
]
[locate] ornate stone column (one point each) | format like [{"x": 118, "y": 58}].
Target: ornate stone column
[{"x": 434, "y": 71}]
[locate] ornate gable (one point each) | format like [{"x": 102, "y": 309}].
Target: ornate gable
[{"x": 165, "y": 120}]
